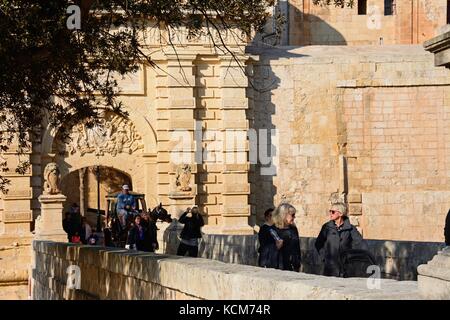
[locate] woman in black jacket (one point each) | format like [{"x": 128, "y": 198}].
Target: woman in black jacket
[
  {"x": 137, "y": 236},
  {"x": 289, "y": 254},
  {"x": 190, "y": 234},
  {"x": 269, "y": 242},
  {"x": 335, "y": 237},
  {"x": 151, "y": 238}
]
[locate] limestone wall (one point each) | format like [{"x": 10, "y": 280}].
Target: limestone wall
[
  {"x": 15, "y": 257},
  {"x": 412, "y": 23},
  {"x": 371, "y": 122},
  {"x": 118, "y": 274}
]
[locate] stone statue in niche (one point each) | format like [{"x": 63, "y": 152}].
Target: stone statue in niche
[
  {"x": 52, "y": 178},
  {"x": 183, "y": 177},
  {"x": 113, "y": 134}
]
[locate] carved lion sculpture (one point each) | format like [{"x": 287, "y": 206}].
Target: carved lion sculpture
[{"x": 52, "y": 178}]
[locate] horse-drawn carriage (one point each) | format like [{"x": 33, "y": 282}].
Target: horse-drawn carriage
[{"x": 115, "y": 232}]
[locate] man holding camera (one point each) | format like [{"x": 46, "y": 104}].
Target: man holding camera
[{"x": 190, "y": 234}]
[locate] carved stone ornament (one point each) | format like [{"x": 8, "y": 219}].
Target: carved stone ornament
[
  {"x": 52, "y": 178},
  {"x": 183, "y": 177},
  {"x": 337, "y": 197},
  {"x": 113, "y": 135}
]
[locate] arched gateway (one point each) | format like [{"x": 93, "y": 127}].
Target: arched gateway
[{"x": 116, "y": 147}]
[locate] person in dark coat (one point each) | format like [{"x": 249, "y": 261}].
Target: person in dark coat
[
  {"x": 284, "y": 226},
  {"x": 137, "y": 238},
  {"x": 335, "y": 237},
  {"x": 67, "y": 226},
  {"x": 447, "y": 229},
  {"x": 190, "y": 234},
  {"x": 72, "y": 226},
  {"x": 269, "y": 242},
  {"x": 151, "y": 241}
]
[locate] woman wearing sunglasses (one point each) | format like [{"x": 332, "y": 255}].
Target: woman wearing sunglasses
[{"x": 335, "y": 237}]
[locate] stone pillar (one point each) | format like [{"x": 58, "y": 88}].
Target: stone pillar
[
  {"x": 81, "y": 174},
  {"x": 235, "y": 208},
  {"x": 49, "y": 223},
  {"x": 434, "y": 277},
  {"x": 176, "y": 147}
]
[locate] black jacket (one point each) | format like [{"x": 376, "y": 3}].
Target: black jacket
[
  {"x": 268, "y": 252},
  {"x": 72, "y": 226},
  {"x": 140, "y": 240},
  {"x": 447, "y": 229},
  {"x": 335, "y": 242},
  {"x": 151, "y": 236},
  {"x": 192, "y": 226},
  {"x": 289, "y": 254}
]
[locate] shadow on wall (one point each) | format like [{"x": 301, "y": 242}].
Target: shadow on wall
[
  {"x": 263, "y": 134},
  {"x": 304, "y": 29},
  {"x": 397, "y": 259},
  {"x": 103, "y": 273}
]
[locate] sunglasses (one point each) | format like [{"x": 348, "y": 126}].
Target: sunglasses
[{"x": 333, "y": 211}]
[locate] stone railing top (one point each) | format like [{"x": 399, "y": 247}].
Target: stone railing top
[
  {"x": 438, "y": 43},
  {"x": 209, "y": 279}
]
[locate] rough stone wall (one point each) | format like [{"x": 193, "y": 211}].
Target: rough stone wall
[
  {"x": 118, "y": 274},
  {"x": 414, "y": 22},
  {"x": 367, "y": 121}
]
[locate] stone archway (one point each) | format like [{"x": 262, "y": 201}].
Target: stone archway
[
  {"x": 80, "y": 186},
  {"x": 125, "y": 150}
]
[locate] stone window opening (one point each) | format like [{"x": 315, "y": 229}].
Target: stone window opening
[
  {"x": 362, "y": 7},
  {"x": 389, "y": 7}
]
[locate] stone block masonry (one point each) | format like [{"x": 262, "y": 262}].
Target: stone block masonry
[
  {"x": 120, "y": 274},
  {"x": 368, "y": 121}
]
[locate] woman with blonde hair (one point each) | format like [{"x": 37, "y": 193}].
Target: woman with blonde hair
[{"x": 289, "y": 253}]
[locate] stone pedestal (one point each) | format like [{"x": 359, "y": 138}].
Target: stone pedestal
[
  {"x": 179, "y": 201},
  {"x": 434, "y": 277},
  {"x": 49, "y": 223}
]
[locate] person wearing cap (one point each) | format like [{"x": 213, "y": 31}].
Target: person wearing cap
[
  {"x": 125, "y": 203},
  {"x": 193, "y": 221},
  {"x": 335, "y": 237}
]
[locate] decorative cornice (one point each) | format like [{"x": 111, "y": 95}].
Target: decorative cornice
[{"x": 440, "y": 46}]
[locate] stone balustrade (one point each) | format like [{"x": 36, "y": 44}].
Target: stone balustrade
[
  {"x": 434, "y": 277},
  {"x": 107, "y": 273}
]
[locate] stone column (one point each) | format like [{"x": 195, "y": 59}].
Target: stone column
[
  {"x": 235, "y": 208},
  {"x": 81, "y": 174},
  {"x": 49, "y": 223},
  {"x": 176, "y": 148}
]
